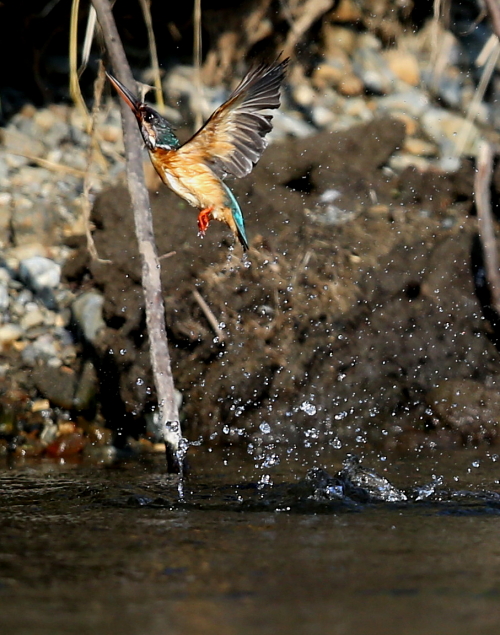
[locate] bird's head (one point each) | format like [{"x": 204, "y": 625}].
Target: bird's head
[{"x": 155, "y": 129}]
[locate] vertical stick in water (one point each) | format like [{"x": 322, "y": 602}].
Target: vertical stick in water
[{"x": 151, "y": 283}]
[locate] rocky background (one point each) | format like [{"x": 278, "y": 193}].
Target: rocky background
[{"x": 361, "y": 314}]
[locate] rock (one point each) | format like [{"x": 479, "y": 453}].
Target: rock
[
  {"x": 287, "y": 124},
  {"x": 87, "y": 387},
  {"x": 9, "y": 333},
  {"x": 350, "y": 86},
  {"x": 42, "y": 275},
  {"x": 346, "y": 11},
  {"x": 15, "y": 254},
  {"x": 66, "y": 445},
  {"x": 44, "y": 348},
  {"x": 322, "y": 117},
  {"x": 58, "y": 385},
  {"x": 371, "y": 67},
  {"x": 34, "y": 219},
  {"x": 402, "y": 160},
  {"x": 21, "y": 144},
  {"x": 414, "y": 102},
  {"x": 335, "y": 37},
  {"x": 5, "y": 214},
  {"x": 404, "y": 65},
  {"x": 448, "y": 86},
  {"x": 303, "y": 94},
  {"x": 4, "y": 297},
  {"x": 87, "y": 312},
  {"x": 453, "y": 134},
  {"x": 32, "y": 318},
  {"x": 419, "y": 147}
]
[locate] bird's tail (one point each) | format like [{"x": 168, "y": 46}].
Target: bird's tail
[{"x": 237, "y": 217}]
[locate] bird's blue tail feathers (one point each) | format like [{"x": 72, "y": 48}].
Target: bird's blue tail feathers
[{"x": 237, "y": 216}]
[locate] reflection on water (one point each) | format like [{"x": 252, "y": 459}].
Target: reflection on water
[{"x": 113, "y": 550}]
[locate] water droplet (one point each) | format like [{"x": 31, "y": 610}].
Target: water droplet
[
  {"x": 336, "y": 443},
  {"x": 308, "y": 408}
]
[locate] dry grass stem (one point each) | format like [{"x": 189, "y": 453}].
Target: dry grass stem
[
  {"x": 146, "y": 11},
  {"x": 472, "y": 111},
  {"x": 167, "y": 255},
  {"x": 49, "y": 165},
  {"x": 198, "y": 121},
  {"x": 207, "y": 312},
  {"x": 87, "y": 42},
  {"x": 74, "y": 84}
]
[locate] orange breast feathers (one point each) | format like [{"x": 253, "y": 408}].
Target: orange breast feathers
[{"x": 190, "y": 178}]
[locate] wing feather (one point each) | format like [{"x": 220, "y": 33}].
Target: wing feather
[{"x": 232, "y": 140}]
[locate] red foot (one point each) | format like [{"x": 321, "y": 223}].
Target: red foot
[{"x": 204, "y": 218}]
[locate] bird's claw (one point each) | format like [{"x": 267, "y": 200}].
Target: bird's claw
[{"x": 204, "y": 218}]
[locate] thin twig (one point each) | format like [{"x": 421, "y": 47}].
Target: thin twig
[
  {"x": 489, "y": 67},
  {"x": 494, "y": 10},
  {"x": 151, "y": 282},
  {"x": 167, "y": 255},
  {"x": 482, "y": 182},
  {"x": 208, "y": 313}
]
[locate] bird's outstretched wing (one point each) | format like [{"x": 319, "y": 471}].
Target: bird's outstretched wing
[{"x": 232, "y": 140}]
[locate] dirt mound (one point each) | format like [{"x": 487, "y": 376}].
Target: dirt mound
[{"x": 355, "y": 299}]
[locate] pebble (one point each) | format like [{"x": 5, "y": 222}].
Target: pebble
[
  {"x": 404, "y": 65},
  {"x": 413, "y": 102},
  {"x": 9, "y": 333},
  {"x": 87, "y": 312},
  {"x": 43, "y": 348},
  {"x": 4, "y": 297},
  {"x": 66, "y": 445},
  {"x": 454, "y": 135},
  {"x": 419, "y": 147},
  {"x": 33, "y": 317},
  {"x": 42, "y": 275}
]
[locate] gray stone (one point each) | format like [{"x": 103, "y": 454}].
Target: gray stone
[
  {"x": 42, "y": 275},
  {"x": 412, "y": 102},
  {"x": 4, "y": 297},
  {"x": 87, "y": 312}
]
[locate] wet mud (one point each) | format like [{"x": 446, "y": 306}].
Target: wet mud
[{"x": 355, "y": 301}]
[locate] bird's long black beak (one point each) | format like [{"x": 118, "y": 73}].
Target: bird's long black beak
[{"x": 125, "y": 94}]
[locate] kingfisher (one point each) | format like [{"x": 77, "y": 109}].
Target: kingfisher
[{"x": 230, "y": 143}]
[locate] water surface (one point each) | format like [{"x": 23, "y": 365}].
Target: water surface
[{"x": 113, "y": 550}]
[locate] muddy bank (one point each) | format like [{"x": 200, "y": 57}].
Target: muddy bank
[{"x": 356, "y": 298}]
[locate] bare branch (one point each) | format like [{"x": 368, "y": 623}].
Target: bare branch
[
  {"x": 482, "y": 183},
  {"x": 155, "y": 310}
]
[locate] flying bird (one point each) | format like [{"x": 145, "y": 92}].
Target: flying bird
[{"x": 229, "y": 144}]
